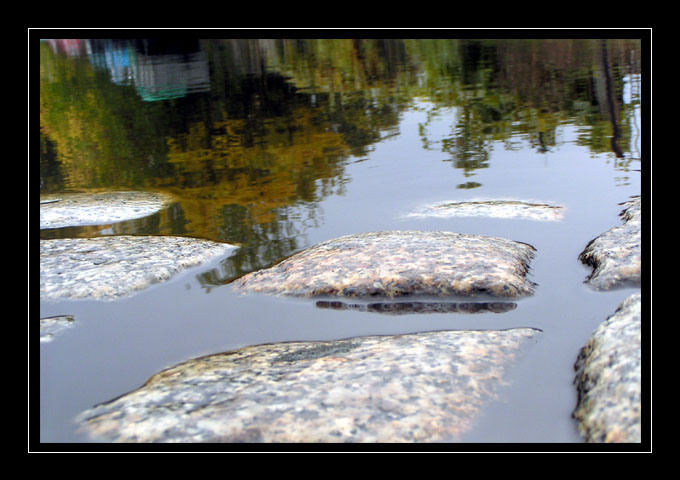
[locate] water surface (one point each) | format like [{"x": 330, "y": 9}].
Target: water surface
[{"x": 277, "y": 145}]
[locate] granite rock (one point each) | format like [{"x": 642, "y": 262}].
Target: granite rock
[
  {"x": 400, "y": 263},
  {"x": 117, "y": 266},
  {"x": 102, "y": 208},
  {"x": 616, "y": 255},
  {"x": 511, "y": 209},
  {"x": 424, "y": 387},
  {"x": 608, "y": 378}
]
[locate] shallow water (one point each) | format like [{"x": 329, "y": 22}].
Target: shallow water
[{"x": 314, "y": 147}]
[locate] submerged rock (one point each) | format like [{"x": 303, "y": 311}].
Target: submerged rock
[
  {"x": 608, "y": 378},
  {"x": 117, "y": 266},
  {"x": 493, "y": 208},
  {"x": 399, "y": 263},
  {"x": 53, "y": 326},
  {"x": 78, "y": 209},
  {"x": 424, "y": 387},
  {"x": 399, "y": 308},
  {"x": 616, "y": 255}
]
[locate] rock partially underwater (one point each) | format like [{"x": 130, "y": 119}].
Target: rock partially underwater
[
  {"x": 616, "y": 255},
  {"x": 609, "y": 378},
  {"x": 79, "y": 209},
  {"x": 513, "y": 209},
  {"x": 401, "y": 308},
  {"x": 117, "y": 266},
  {"x": 400, "y": 263},
  {"x": 50, "y": 327},
  {"x": 424, "y": 387}
]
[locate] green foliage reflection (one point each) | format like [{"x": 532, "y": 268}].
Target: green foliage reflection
[{"x": 251, "y": 149}]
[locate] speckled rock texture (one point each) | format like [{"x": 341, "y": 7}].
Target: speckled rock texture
[
  {"x": 608, "y": 378},
  {"x": 50, "y": 327},
  {"x": 112, "y": 267},
  {"x": 399, "y": 263},
  {"x": 513, "y": 209},
  {"x": 424, "y": 387},
  {"x": 78, "y": 209},
  {"x": 616, "y": 255}
]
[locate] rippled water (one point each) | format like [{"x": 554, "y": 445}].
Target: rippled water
[{"x": 277, "y": 145}]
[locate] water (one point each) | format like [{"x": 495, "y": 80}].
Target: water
[{"x": 278, "y": 145}]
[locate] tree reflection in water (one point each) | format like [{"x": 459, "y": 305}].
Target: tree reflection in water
[{"x": 251, "y": 135}]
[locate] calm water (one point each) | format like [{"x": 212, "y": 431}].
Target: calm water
[{"x": 277, "y": 145}]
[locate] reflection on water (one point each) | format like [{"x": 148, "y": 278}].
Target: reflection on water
[
  {"x": 399, "y": 308},
  {"x": 159, "y": 70},
  {"x": 275, "y": 145},
  {"x": 251, "y": 135}
]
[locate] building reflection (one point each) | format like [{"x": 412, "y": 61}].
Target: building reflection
[
  {"x": 159, "y": 70},
  {"x": 71, "y": 47},
  {"x": 113, "y": 56},
  {"x": 251, "y": 163}
]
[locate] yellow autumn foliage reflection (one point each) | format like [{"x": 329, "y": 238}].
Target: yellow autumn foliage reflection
[
  {"x": 289, "y": 161},
  {"x": 253, "y": 148}
]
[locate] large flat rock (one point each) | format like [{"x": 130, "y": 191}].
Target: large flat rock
[
  {"x": 117, "y": 266},
  {"x": 400, "y": 263},
  {"x": 509, "y": 209},
  {"x": 608, "y": 378},
  {"x": 425, "y": 387},
  {"x": 616, "y": 255},
  {"x": 103, "y": 208}
]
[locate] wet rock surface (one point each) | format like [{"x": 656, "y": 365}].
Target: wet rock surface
[
  {"x": 616, "y": 255},
  {"x": 399, "y": 263},
  {"x": 424, "y": 387},
  {"x": 78, "y": 209},
  {"x": 113, "y": 267},
  {"x": 514, "y": 209},
  {"x": 608, "y": 378}
]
